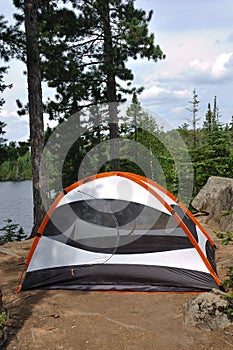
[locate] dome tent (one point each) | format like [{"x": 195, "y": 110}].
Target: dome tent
[{"x": 120, "y": 231}]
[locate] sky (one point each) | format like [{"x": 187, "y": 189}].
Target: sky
[{"x": 197, "y": 38}]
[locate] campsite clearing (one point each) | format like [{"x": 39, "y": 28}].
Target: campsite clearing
[{"x": 73, "y": 320}]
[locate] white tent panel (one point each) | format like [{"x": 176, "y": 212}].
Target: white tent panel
[
  {"x": 201, "y": 240},
  {"x": 50, "y": 253},
  {"x": 113, "y": 187},
  {"x": 181, "y": 258},
  {"x": 163, "y": 195}
]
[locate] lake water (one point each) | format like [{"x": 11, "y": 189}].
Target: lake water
[{"x": 16, "y": 203}]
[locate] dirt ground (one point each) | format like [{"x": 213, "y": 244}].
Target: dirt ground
[{"x": 73, "y": 320}]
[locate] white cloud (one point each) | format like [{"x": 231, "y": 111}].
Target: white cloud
[
  {"x": 182, "y": 94},
  {"x": 206, "y": 71},
  {"x": 167, "y": 95},
  {"x": 153, "y": 92},
  {"x": 17, "y": 128}
]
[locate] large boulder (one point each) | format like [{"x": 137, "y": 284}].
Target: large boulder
[
  {"x": 215, "y": 198},
  {"x": 209, "y": 311}
]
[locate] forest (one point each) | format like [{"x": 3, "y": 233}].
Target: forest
[
  {"x": 80, "y": 49},
  {"x": 209, "y": 145}
]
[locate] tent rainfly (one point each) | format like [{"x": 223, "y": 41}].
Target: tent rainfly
[{"x": 123, "y": 232}]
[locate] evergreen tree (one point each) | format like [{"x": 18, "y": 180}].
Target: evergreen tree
[
  {"x": 143, "y": 128},
  {"x": 216, "y": 115},
  {"x": 3, "y": 86},
  {"x": 118, "y": 31},
  {"x": 4, "y": 54},
  {"x": 3, "y": 152},
  {"x": 17, "y": 162},
  {"x": 113, "y": 31},
  {"x": 84, "y": 54},
  {"x": 186, "y": 134},
  {"x": 230, "y": 128},
  {"x": 10, "y": 41},
  {"x": 194, "y": 112},
  {"x": 214, "y": 156},
  {"x": 85, "y": 58},
  {"x": 11, "y": 232},
  {"x": 134, "y": 116},
  {"x": 35, "y": 111},
  {"x": 211, "y": 122},
  {"x": 208, "y": 123}
]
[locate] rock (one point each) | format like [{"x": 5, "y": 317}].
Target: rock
[
  {"x": 215, "y": 198},
  {"x": 208, "y": 311},
  {"x": 3, "y": 336}
]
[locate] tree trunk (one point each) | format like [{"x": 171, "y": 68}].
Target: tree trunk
[
  {"x": 35, "y": 112},
  {"x": 111, "y": 91}
]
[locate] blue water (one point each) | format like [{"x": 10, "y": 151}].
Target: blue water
[{"x": 16, "y": 203}]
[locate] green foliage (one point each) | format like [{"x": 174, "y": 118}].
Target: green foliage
[
  {"x": 226, "y": 237},
  {"x": 229, "y": 298},
  {"x": 139, "y": 126},
  {"x": 15, "y": 161},
  {"x": 212, "y": 155},
  {"x": 84, "y": 46},
  {"x": 229, "y": 281},
  {"x": 3, "y": 318},
  {"x": 230, "y": 312},
  {"x": 6, "y": 51},
  {"x": 227, "y": 212},
  {"x": 16, "y": 168},
  {"x": 12, "y": 232},
  {"x": 211, "y": 149},
  {"x": 3, "y": 152}
]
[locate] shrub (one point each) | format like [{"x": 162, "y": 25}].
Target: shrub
[
  {"x": 12, "y": 232},
  {"x": 3, "y": 318}
]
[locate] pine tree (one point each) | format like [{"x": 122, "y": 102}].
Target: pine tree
[
  {"x": 86, "y": 61},
  {"x": 12, "y": 232},
  {"x": 119, "y": 31},
  {"x": 231, "y": 130},
  {"x": 194, "y": 112},
  {"x": 214, "y": 155},
  {"x": 216, "y": 115},
  {"x": 149, "y": 148},
  {"x": 84, "y": 53},
  {"x": 3, "y": 146},
  {"x": 6, "y": 51},
  {"x": 208, "y": 123},
  {"x": 35, "y": 111}
]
